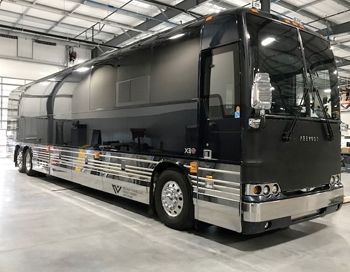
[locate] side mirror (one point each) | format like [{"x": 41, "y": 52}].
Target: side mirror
[{"x": 261, "y": 92}]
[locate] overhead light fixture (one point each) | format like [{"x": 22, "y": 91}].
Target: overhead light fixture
[
  {"x": 327, "y": 91},
  {"x": 45, "y": 83},
  {"x": 177, "y": 36},
  {"x": 82, "y": 69},
  {"x": 267, "y": 41}
]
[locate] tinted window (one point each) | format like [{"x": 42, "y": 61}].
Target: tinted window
[
  {"x": 222, "y": 81},
  {"x": 321, "y": 67},
  {"x": 276, "y": 50}
]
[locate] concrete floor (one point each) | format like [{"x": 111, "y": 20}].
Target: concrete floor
[{"x": 47, "y": 224}]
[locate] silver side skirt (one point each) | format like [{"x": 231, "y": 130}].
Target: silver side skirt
[{"x": 216, "y": 187}]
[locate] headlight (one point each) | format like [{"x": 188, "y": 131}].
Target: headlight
[
  {"x": 335, "y": 181},
  {"x": 266, "y": 190},
  {"x": 337, "y": 178},
  {"x": 275, "y": 189},
  {"x": 332, "y": 181},
  {"x": 262, "y": 189}
]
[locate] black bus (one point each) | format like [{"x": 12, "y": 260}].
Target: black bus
[{"x": 231, "y": 120}]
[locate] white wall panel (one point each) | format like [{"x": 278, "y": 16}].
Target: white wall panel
[
  {"x": 27, "y": 70},
  {"x": 49, "y": 53},
  {"x": 25, "y": 48},
  {"x": 8, "y": 47}
]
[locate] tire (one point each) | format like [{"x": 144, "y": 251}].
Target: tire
[
  {"x": 20, "y": 161},
  {"x": 173, "y": 200},
  {"x": 28, "y": 163}
]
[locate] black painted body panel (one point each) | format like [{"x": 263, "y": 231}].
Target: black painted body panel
[{"x": 295, "y": 164}]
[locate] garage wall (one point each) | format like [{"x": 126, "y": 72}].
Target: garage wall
[
  {"x": 22, "y": 60},
  {"x": 27, "y": 58}
]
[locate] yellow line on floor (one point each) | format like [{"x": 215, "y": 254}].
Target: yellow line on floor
[{"x": 346, "y": 199}]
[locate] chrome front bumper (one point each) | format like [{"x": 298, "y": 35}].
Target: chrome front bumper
[{"x": 296, "y": 207}]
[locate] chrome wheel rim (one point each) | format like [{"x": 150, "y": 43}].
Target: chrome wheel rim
[
  {"x": 19, "y": 160},
  {"x": 28, "y": 162},
  {"x": 172, "y": 198}
]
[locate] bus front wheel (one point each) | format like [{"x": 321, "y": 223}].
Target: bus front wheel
[{"x": 173, "y": 200}]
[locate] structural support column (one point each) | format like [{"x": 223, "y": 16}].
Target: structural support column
[{"x": 266, "y": 5}]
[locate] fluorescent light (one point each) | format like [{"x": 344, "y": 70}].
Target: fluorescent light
[
  {"x": 267, "y": 41},
  {"x": 82, "y": 69},
  {"x": 177, "y": 36},
  {"x": 141, "y": 4},
  {"x": 327, "y": 91}
]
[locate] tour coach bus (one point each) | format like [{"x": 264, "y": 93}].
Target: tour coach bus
[{"x": 231, "y": 120}]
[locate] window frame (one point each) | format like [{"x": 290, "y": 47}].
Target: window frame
[{"x": 206, "y": 77}]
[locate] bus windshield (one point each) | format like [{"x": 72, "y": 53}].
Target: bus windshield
[{"x": 276, "y": 50}]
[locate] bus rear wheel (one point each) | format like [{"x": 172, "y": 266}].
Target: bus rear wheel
[
  {"x": 173, "y": 200},
  {"x": 20, "y": 161},
  {"x": 28, "y": 163}
]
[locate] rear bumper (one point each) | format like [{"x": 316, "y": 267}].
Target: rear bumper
[{"x": 281, "y": 213}]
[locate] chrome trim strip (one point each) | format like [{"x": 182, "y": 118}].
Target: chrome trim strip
[
  {"x": 217, "y": 193},
  {"x": 130, "y": 159},
  {"x": 236, "y": 184},
  {"x": 265, "y": 211}
]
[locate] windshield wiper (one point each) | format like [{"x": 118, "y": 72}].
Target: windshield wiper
[
  {"x": 287, "y": 134},
  {"x": 329, "y": 131}
]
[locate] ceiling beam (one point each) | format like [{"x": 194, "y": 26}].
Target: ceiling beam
[
  {"x": 53, "y": 36},
  {"x": 62, "y": 12},
  {"x": 170, "y": 13},
  {"x": 63, "y": 17},
  {"x": 23, "y": 14},
  {"x": 340, "y": 62},
  {"x": 336, "y": 29},
  {"x": 344, "y": 3},
  {"x": 45, "y": 21},
  {"x": 302, "y": 12},
  {"x": 130, "y": 13}
]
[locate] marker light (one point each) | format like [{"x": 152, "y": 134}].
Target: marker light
[
  {"x": 254, "y": 10},
  {"x": 268, "y": 41},
  {"x": 193, "y": 167},
  {"x": 177, "y": 36},
  {"x": 82, "y": 69},
  {"x": 257, "y": 190},
  {"x": 209, "y": 18}
]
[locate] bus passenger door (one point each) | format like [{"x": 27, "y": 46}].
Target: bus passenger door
[{"x": 220, "y": 133}]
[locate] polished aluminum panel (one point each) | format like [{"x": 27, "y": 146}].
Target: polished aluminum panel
[
  {"x": 217, "y": 194},
  {"x": 216, "y": 186},
  {"x": 265, "y": 211},
  {"x": 41, "y": 159}
]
